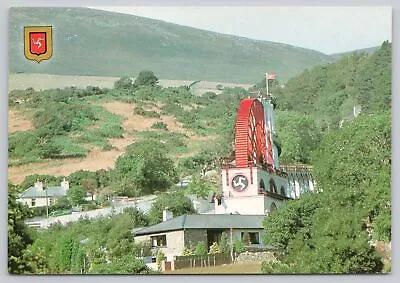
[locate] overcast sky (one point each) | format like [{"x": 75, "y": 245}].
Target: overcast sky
[{"x": 326, "y": 29}]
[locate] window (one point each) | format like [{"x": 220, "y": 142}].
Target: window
[
  {"x": 272, "y": 186},
  {"x": 253, "y": 238},
  {"x": 283, "y": 191},
  {"x": 158, "y": 241},
  {"x": 33, "y": 202}
]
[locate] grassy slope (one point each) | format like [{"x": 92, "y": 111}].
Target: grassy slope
[
  {"x": 370, "y": 50},
  {"x": 93, "y": 42}
]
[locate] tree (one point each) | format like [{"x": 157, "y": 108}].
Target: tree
[
  {"x": 200, "y": 248},
  {"x": 224, "y": 243},
  {"x": 147, "y": 166},
  {"x": 326, "y": 231},
  {"x": 127, "y": 264},
  {"x": 76, "y": 195},
  {"x": 90, "y": 185},
  {"x": 238, "y": 246},
  {"x": 160, "y": 257},
  {"x": 200, "y": 187},
  {"x": 146, "y": 78},
  {"x": 176, "y": 202},
  {"x": 124, "y": 83},
  {"x": 298, "y": 134},
  {"x": 18, "y": 235}
]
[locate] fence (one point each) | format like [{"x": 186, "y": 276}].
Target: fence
[{"x": 201, "y": 261}]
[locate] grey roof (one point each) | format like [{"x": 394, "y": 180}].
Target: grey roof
[
  {"x": 206, "y": 221},
  {"x": 33, "y": 192}
]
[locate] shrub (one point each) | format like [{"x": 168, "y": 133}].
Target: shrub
[
  {"x": 146, "y": 78},
  {"x": 214, "y": 249},
  {"x": 159, "y": 125},
  {"x": 187, "y": 251},
  {"x": 238, "y": 246},
  {"x": 159, "y": 258},
  {"x": 200, "y": 248},
  {"x": 224, "y": 243},
  {"x": 146, "y": 113},
  {"x": 124, "y": 83}
]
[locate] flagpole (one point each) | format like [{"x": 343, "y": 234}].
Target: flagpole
[{"x": 266, "y": 82}]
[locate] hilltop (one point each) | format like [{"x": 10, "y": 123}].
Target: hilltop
[
  {"x": 100, "y": 43},
  {"x": 369, "y": 50}
]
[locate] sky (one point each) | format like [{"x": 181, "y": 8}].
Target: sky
[{"x": 325, "y": 29}]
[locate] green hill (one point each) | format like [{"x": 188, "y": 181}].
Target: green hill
[
  {"x": 94, "y": 42},
  {"x": 369, "y": 50},
  {"x": 329, "y": 92}
]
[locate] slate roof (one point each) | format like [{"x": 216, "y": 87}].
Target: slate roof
[
  {"x": 206, "y": 221},
  {"x": 33, "y": 192}
]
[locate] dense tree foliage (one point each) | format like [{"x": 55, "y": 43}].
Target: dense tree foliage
[
  {"x": 176, "y": 202},
  {"x": 146, "y": 78},
  {"x": 147, "y": 167},
  {"x": 329, "y": 92},
  {"x": 298, "y": 134},
  {"x": 329, "y": 232},
  {"x": 100, "y": 246},
  {"x": 20, "y": 259}
]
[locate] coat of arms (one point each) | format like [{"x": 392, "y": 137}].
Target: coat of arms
[{"x": 38, "y": 43}]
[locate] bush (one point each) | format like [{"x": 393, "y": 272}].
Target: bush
[
  {"x": 159, "y": 258},
  {"x": 146, "y": 78},
  {"x": 224, "y": 243},
  {"x": 214, "y": 249},
  {"x": 159, "y": 125},
  {"x": 187, "y": 251},
  {"x": 89, "y": 206},
  {"x": 238, "y": 246},
  {"x": 145, "y": 113},
  {"x": 200, "y": 248},
  {"x": 124, "y": 83}
]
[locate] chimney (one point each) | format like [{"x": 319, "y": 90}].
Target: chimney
[
  {"x": 167, "y": 215},
  {"x": 38, "y": 185},
  {"x": 65, "y": 184}
]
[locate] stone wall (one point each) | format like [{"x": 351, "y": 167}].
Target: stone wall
[{"x": 250, "y": 257}]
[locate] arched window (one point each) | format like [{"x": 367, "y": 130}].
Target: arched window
[
  {"x": 262, "y": 186},
  {"x": 283, "y": 191},
  {"x": 273, "y": 207},
  {"x": 272, "y": 186}
]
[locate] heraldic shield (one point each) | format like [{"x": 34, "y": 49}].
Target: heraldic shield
[{"x": 38, "y": 43}]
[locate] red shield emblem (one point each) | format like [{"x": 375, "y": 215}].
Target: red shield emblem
[{"x": 38, "y": 42}]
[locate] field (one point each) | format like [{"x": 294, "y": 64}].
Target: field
[{"x": 248, "y": 268}]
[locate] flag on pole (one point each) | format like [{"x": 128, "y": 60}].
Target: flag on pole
[{"x": 270, "y": 76}]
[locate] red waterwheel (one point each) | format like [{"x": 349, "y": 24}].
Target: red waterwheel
[{"x": 250, "y": 143}]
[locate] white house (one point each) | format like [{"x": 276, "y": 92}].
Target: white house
[{"x": 39, "y": 195}]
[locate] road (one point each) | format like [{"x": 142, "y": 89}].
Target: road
[{"x": 144, "y": 204}]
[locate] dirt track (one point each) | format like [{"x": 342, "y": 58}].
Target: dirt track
[{"x": 17, "y": 123}]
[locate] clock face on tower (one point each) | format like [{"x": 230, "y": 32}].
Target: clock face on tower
[{"x": 240, "y": 183}]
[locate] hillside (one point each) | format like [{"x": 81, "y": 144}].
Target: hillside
[
  {"x": 369, "y": 50},
  {"x": 328, "y": 93},
  {"x": 94, "y": 42}
]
